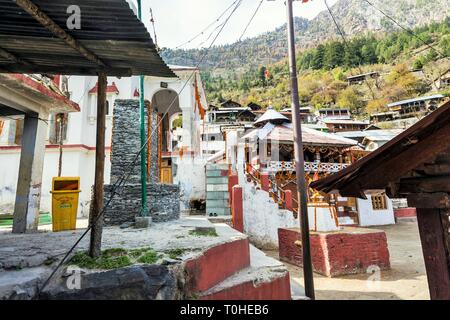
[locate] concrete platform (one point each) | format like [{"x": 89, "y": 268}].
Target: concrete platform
[{"x": 205, "y": 262}]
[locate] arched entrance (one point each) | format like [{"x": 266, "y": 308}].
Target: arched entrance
[{"x": 165, "y": 105}]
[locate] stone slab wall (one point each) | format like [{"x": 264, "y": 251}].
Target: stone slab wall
[
  {"x": 126, "y": 142},
  {"x": 163, "y": 199},
  {"x": 163, "y": 202}
]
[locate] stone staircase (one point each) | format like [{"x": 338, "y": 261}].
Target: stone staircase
[
  {"x": 237, "y": 270},
  {"x": 217, "y": 195}
]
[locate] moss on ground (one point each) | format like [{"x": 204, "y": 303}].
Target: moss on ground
[
  {"x": 176, "y": 253},
  {"x": 204, "y": 233},
  {"x": 116, "y": 258}
]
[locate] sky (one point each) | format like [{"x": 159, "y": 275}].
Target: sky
[{"x": 177, "y": 21}]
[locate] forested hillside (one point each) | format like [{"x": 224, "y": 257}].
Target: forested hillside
[
  {"x": 356, "y": 17},
  {"x": 323, "y": 71}
]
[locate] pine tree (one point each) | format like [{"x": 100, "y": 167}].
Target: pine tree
[{"x": 318, "y": 58}]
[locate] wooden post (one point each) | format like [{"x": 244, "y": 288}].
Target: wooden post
[
  {"x": 433, "y": 239},
  {"x": 95, "y": 221}
]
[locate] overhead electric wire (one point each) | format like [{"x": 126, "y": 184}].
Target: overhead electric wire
[
  {"x": 208, "y": 26},
  {"x": 405, "y": 29},
  {"x": 341, "y": 33},
  {"x": 127, "y": 171},
  {"x": 251, "y": 19}
]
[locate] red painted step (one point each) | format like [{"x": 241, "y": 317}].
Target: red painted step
[
  {"x": 220, "y": 262},
  {"x": 264, "y": 279}
]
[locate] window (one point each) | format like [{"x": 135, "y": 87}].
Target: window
[{"x": 379, "y": 202}]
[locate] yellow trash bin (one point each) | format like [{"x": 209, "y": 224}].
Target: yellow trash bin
[{"x": 65, "y": 192}]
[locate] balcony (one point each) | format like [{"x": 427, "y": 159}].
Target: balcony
[{"x": 321, "y": 167}]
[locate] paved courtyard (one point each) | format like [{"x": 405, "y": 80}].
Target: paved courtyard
[{"x": 405, "y": 281}]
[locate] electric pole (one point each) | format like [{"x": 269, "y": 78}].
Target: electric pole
[{"x": 299, "y": 158}]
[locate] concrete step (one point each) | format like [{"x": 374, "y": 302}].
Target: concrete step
[
  {"x": 218, "y": 262},
  {"x": 265, "y": 279},
  {"x": 217, "y": 195},
  {"x": 218, "y": 203},
  {"x": 219, "y": 211}
]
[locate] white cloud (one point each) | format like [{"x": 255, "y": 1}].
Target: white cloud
[{"x": 179, "y": 20}]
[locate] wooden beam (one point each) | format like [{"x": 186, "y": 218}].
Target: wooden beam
[
  {"x": 8, "y": 55},
  {"x": 435, "y": 253},
  {"x": 397, "y": 166},
  {"x": 425, "y": 185},
  {"x": 54, "y": 28},
  {"x": 438, "y": 200},
  {"x": 437, "y": 169},
  {"x": 96, "y": 221}
]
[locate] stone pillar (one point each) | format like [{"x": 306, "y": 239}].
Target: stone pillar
[
  {"x": 237, "y": 210},
  {"x": 29, "y": 184}
]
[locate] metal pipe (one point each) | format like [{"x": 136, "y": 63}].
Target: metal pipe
[
  {"x": 144, "y": 209},
  {"x": 299, "y": 158}
]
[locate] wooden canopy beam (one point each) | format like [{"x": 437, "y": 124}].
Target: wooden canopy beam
[
  {"x": 8, "y": 55},
  {"x": 54, "y": 28}
]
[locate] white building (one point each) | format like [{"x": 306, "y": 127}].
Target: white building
[{"x": 79, "y": 139}]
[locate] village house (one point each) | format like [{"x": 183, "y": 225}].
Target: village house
[
  {"x": 338, "y": 125},
  {"x": 360, "y": 78},
  {"x": 443, "y": 81},
  {"x": 408, "y": 111},
  {"x": 26, "y": 102},
  {"x": 78, "y": 145},
  {"x": 333, "y": 113}
]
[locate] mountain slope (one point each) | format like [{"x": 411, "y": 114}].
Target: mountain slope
[{"x": 354, "y": 16}]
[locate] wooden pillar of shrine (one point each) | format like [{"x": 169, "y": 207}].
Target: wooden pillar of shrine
[{"x": 433, "y": 220}]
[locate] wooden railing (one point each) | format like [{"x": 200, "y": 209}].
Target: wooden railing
[
  {"x": 276, "y": 192},
  {"x": 277, "y": 166}
]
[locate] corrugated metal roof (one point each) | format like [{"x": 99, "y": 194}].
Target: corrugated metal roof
[
  {"x": 371, "y": 133},
  {"x": 344, "y": 121},
  {"x": 398, "y": 103},
  {"x": 109, "y": 29},
  {"x": 309, "y": 136}
]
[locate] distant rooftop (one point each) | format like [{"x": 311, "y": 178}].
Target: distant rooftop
[
  {"x": 344, "y": 121},
  {"x": 174, "y": 67},
  {"x": 419, "y": 99},
  {"x": 362, "y": 75}
]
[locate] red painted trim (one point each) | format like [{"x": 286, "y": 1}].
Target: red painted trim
[
  {"x": 275, "y": 289},
  {"x": 41, "y": 88},
  {"x": 405, "y": 213},
  {"x": 217, "y": 264},
  {"x": 109, "y": 89}
]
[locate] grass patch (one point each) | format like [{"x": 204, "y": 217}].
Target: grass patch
[
  {"x": 149, "y": 257},
  {"x": 204, "y": 233},
  {"x": 176, "y": 253},
  {"x": 115, "y": 258}
]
